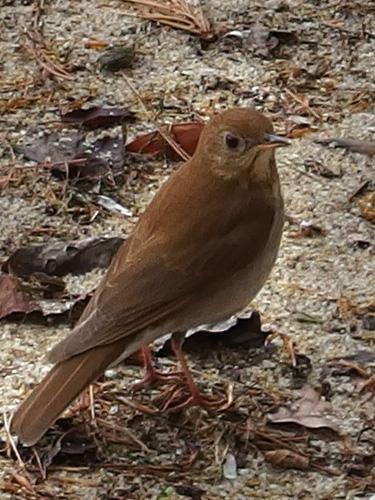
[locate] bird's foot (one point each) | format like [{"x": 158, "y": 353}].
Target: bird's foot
[
  {"x": 173, "y": 401},
  {"x": 155, "y": 377}
]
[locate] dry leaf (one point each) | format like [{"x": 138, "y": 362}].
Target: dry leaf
[
  {"x": 287, "y": 459},
  {"x": 13, "y": 298},
  {"x": 69, "y": 156},
  {"x": 245, "y": 333},
  {"x": 190, "y": 491},
  {"x": 53, "y": 148},
  {"x": 310, "y": 412},
  {"x": 63, "y": 257},
  {"x": 185, "y": 134},
  {"x": 97, "y": 117}
]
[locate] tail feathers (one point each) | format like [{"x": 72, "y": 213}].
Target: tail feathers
[{"x": 59, "y": 388}]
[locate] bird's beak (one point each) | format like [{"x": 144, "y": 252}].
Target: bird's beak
[{"x": 272, "y": 141}]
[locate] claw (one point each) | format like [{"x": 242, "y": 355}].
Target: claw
[{"x": 153, "y": 376}]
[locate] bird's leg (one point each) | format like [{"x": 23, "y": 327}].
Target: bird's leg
[
  {"x": 153, "y": 376},
  {"x": 196, "y": 398}
]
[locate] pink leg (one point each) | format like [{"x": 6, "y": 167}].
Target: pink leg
[
  {"x": 153, "y": 376},
  {"x": 196, "y": 398}
]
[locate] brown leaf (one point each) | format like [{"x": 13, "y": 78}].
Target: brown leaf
[
  {"x": 69, "y": 156},
  {"x": 287, "y": 459},
  {"x": 353, "y": 145},
  {"x": 185, "y": 134},
  {"x": 13, "y": 298},
  {"x": 53, "y": 148},
  {"x": 97, "y": 117},
  {"x": 63, "y": 257},
  {"x": 242, "y": 333},
  {"x": 310, "y": 411}
]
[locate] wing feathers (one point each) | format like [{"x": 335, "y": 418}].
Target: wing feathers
[{"x": 112, "y": 329}]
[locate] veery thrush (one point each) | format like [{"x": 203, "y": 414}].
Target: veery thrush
[{"x": 200, "y": 253}]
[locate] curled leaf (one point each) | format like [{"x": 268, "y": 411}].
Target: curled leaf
[
  {"x": 97, "y": 117},
  {"x": 13, "y": 297},
  {"x": 63, "y": 257},
  {"x": 185, "y": 134},
  {"x": 310, "y": 411}
]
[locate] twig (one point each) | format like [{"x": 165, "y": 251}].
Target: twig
[
  {"x": 136, "y": 406},
  {"x": 37, "y": 47},
  {"x": 126, "y": 431},
  {"x": 151, "y": 117},
  {"x": 176, "y": 13},
  {"x": 26, "y": 480},
  {"x": 92, "y": 401},
  {"x": 39, "y": 52},
  {"x": 303, "y": 103},
  {"x": 39, "y": 463}
]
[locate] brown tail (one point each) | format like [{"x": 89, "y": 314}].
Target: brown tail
[{"x": 59, "y": 388}]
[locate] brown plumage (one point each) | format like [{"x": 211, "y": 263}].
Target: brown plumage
[{"x": 201, "y": 251}]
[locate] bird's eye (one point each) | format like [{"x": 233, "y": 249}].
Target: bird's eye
[{"x": 234, "y": 142}]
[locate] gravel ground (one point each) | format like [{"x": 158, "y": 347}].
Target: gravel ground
[{"x": 320, "y": 291}]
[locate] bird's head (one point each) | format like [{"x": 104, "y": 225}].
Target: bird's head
[{"x": 238, "y": 142}]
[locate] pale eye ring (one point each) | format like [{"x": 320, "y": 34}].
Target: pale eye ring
[{"x": 234, "y": 142}]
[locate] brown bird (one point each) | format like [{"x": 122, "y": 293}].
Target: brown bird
[{"x": 199, "y": 254}]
